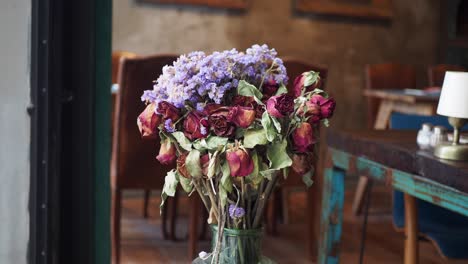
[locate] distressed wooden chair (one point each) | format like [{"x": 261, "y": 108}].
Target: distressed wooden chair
[
  {"x": 381, "y": 76},
  {"x": 278, "y": 205},
  {"x": 133, "y": 164},
  {"x": 436, "y": 73}
]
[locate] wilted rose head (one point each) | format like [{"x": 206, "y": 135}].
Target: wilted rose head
[
  {"x": 301, "y": 163},
  {"x": 307, "y": 80},
  {"x": 220, "y": 123},
  {"x": 168, "y": 111},
  {"x": 196, "y": 126},
  {"x": 327, "y": 105},
  {"x": 241, "y": 116},
  {"x": 148, "y": 122},
  {"x": 181, "y": 168},
  {"x": 167, "y": 152},
  {"x": 239, "y": 161},
  {"x": 280, "y": 105},
  {"x": 303, "y": 138}
]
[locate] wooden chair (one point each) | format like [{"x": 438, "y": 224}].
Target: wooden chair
[
  {"x": 386, "y": 76},
  {"x": 278, "y": 206},
  {"x": 117, "y": 58},
  {"x": 436, "y": 73},
  {"x": 381, "y": 76},
  {"x": 133, "y": 164}
]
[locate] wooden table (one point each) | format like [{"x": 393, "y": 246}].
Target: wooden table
[
  {"x": 392, "y": 157},
  {"x": 399, "y": 101}
]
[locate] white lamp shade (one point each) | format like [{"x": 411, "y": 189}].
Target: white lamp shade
[{"x": 453, "y": 100}]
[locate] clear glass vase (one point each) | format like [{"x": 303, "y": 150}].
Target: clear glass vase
[{"x": 238, "y": 246}]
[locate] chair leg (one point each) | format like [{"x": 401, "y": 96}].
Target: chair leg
[
  {"x": 116, "y": 217},
  {"x": 359, "y": 196},
  {"x": 193, "y": 226},
  {"x": 145, "y": 203},
  {"x": 204, "y": 224},
  {"x": 173, "y": 216},
  {"x": 165, "y": 233}
]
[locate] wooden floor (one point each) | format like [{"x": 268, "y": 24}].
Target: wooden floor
[{"x": 142, "y": 240}]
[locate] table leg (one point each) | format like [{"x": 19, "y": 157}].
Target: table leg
[
  {"x": 331, "y": 218},
  {"x": 383, "y": 116},
  {"x": 411, "y": 230}
]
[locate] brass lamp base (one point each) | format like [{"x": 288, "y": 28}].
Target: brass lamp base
[{"x": 452, "y": 152}]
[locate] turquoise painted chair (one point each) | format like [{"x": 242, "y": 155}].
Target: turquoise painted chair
[{"x": 447, "y": 229}]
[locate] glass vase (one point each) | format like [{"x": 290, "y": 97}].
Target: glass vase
[{"x": 238, "y": 246}]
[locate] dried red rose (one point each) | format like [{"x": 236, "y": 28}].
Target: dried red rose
[
  {"x": 195, "y": 125},
  {"x": 220, "y": 123},
  {"x": 280, "y": 105},
  {"x": 241, "y": 116}
]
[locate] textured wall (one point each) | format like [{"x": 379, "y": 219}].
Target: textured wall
[
  {"x": 344, "y": 45},
  {"x": 14, "y": 130}
]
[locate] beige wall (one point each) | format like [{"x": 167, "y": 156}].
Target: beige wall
[
  {"x": 14, "y": 130},
  {"x": 344, "y": 46}
]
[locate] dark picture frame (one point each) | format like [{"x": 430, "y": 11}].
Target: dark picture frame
[
  {"x": 228, "y": 4},
  {"x": 370, "y": 9}
]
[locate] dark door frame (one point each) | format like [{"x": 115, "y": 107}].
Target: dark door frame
[{"x": 70, "y": 126}]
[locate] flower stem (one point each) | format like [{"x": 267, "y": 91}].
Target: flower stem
[{"x": 264, "y": 199}]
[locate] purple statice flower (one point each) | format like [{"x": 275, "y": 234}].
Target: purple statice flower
[
  {"x": 169, "y": 126},
  {"x": 200, "y": 78},
  {"x": 200, "y": 107},
  {"x": 203, "y": 130},
  {"x": 235, "y": 211}
]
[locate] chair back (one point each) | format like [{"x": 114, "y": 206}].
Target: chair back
[
  {"x": 436, "y": 73},
  {"x": 116, "y": 59},
  {"x": 294, "y": 68},
  {"x": 386, "y": 76},
  {"x": 133, "y": 163}
]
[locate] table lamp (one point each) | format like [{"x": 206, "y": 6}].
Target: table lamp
[{"x": 453, "y": 103}]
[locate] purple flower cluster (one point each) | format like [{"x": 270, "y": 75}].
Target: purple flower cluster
[
  {"x": 198, "y": 79},
  {"x": 235, "y": 211}
]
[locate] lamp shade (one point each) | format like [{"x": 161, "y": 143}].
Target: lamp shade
[{"x": 453, "y": 100}]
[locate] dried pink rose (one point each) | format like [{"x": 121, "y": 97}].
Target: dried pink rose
[
  {"x": 301, "y": 80},
  {"x": 148, "y": 122},
  {"x": 303, "y": 138},
  {"x": 167, "y": 152},
  {"x": 239, "y": 161},
  {"x": 327, "y": 105}
]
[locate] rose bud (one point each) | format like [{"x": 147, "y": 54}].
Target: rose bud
[
  {"x": 148, "y": 122},
  {"x": 168, "y": 111},
  {"x": 167, "y": 152},
  {"x": 301, "y": 163},
  {"x": 195, "y": 126},
  {"x": 327, "y": 105},
  {"x": 303, "y": 79},
  {"x": 218, "y": 120},
  {"x": 205, "y": 161},
  {"x": 248, "y": 101},
  {"x": 280, "y": 105},
  {"x": 181, "y": 168},
  {"x": 239, "y": 161},
  {"x": 270, "y": 88},
  {"x": 241, "y": 116},
  {"x": 303, "y": 137}
]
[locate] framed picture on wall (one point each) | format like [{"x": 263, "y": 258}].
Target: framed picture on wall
[
  {"x": 229, "y": 4},
  {"x": 369, "y": 9}
]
